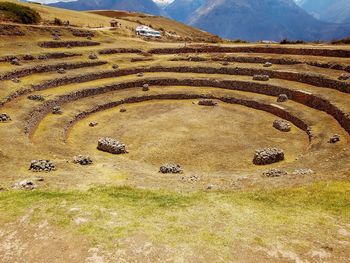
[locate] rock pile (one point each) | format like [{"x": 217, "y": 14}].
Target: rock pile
[
  {"x": 92, "y": 56},
  {"x": 111, "y": 145},
  {"x": 261, "y": 77},
  {"x": 344, "y": 76},
  {"x": 267, "y": 64},
  {"x": 334, "y": 139},
  {"x": 57, "y": 110},
  {"x": 15, "y": 62},
  {"x": 207, "y": 102},
  {"x": 61, "y": 71},
  {"x": 268, "y": 156},
  {"x": 145, "y": 87},
  {"x": 275, "y": 173},
  {"x": 42, "y": 166},
  {"x": 170, "y": 169},
  {"x": 93, "y": 124},
  {"x": 36, "y": 97},
  {"x": 82, "y": 160},
  {"x": 282, "y": 98},
  {"x": 282, "y": 125},
  {"x": 24, "y": 185},
  {"x": 4, "y": 117}
]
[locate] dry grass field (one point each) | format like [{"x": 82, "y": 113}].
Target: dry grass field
[{"x": 223, "y": 207}]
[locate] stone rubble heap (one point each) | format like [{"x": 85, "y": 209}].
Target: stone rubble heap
[
  {"x": 282, "y": 125},
  {"x": 82, "y": 160},
  {"x": 282, "y": 98},
  {"x": 57, "y": 110},
  {"x": 111, "y": 145},
  {"x": 261, "y": 77},
  {"x": 4, "y": 117},
  {"x": 42, "y": 166},
  {"x": 268, "y": 156},
  {"x": 170, "y": 169},
  {"x": 275, "y": 173},
  {"x": 334, "y": 139},
  {"x": 207, "y": 102},
  {"x": 36, "y": 97}
]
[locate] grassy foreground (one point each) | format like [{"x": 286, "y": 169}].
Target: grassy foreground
[{"x": 293, "y": 218}]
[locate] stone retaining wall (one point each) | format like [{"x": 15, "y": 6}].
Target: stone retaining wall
[
  {"x": 307, "y": 99},
  {"x": 59, "y": 44},
  {"x": 53, "y": 55},
  {"x": 246, "y": 49},
  {"x": 118, "y": 51}
]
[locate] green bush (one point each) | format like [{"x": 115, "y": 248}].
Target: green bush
[{"x": 19, "y": 13}]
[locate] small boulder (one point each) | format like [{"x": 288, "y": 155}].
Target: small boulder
[
  {"x": 92, "y": 56},
  {"x": 56, "y": 38},
  {"x": 275, "y": 173},
  {"x": 139, "y": 74},
  {"x": 282, "y": 125},
  {"x": 15, "y": 61},
  {"x": 170, "y": 168},
  {"x": 36, "y": 97},
  {"x": 93, "y": 124},
  {"x": 344, "y": 76},
  {"x": 16, "y": 80},
  {"x": 145, "y": 87},
  {"x": 43, "y": 57},
  {"x": 207, "y": 102},
  {"x": 28, "y": 57},
  {"x": 268, "y": 156},
  {"x": 282, "y": 98},
  {"x": 334, "y": 139},
  {"x": 111, "y": 145},
  {"x": 82, "y": 160},
  {"x": 4, "y": 117},
  {"x": 267, "y": 64},
  {"x": 61, "y": 71},
  {"x": 261, "y": 77},
  {"x": 115, "y": 66},
  {"x": 57, "y": 110},
  {"x": 122, "y": 110},
  {"x": 69, "y": 46},
  {"x": 225, "y": 63},
  {"x": 42, "y": 166}
]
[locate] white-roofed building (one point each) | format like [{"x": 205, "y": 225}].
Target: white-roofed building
[{"x": 147, "y": 32}]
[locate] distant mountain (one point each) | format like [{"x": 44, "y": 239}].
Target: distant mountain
[
  {"x": 257, "y": 20},
  {"x": 144, "y": 6},
  {"x": 182, "y": 10},
  {"x": 337, "y": 11}
]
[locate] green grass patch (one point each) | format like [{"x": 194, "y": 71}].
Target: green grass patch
[
  {"x": 19, "y": 13},
  {"x": 215, "y": 220}
]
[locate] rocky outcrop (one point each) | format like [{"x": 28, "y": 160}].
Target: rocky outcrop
[
  {"x": 282, "y": 125},
  {"x": 268, "y": 156},
  {"x": 111, "y": 145}
]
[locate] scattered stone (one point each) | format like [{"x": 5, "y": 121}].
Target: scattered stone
[
  {"x": 111, "y": 145},
  {"x": 145, "y": 87},
  {"x": 282, "y": 98},
  {"x": 24, "y": 185},
  {"x": 275, "y": 173},
  {"x": 39, "y": 179},
  {"x": 122, "y": 110},
  {"x": 15, "y": 62},
  {"x": 261, "y": 77},
  {"x": 93, "y": 124},
  {"x": 82, "y": 160},
  {"x": 344, "y": 76},
  {"x": 16, "y": 80},
  {"x": 139, "y": 74},
  {"x": 43, "y": 57},
  {"x": 36, "y": 97},
  {"x": 282, "y": 125},
  {"x": 303, "y": 172},
  {"x": 170, "y": 169},
  {"x": 268, "y": 156},
  {"x": 89, "y": 38},
  {"x": 92, "y": 56},
  {"x": 61, "y": 71},
  {"x": 115, "y": 66},
  {"x": 210, "y": 186},
  {"x": 267, "y": 64},
  {"x": 334, "y": 139},
  {"x": 28, "y": 57},
  {"x": 192, "y": 178},
  {"x": 42, "y": 166},
  {"x": 225, "y": 63},
  {"x": 57, "y": 110},
  {"x": 56, "y": 38},
  {"x": 4, "y": 117},
  {"x": 69, "y": 46},
  {"x": 207, "y": 102}
]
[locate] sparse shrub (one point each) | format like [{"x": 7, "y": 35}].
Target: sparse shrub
[
  {"x": 57, "y": 22},
  {"x": 344, "y": 41},
  {"x": 286, "y": 41},
  {"x": 19, "y": 13}
]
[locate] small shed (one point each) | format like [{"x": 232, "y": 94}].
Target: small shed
[
  {"x": 114, "y": 23},
  {"x": 147, "y": 32}
]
